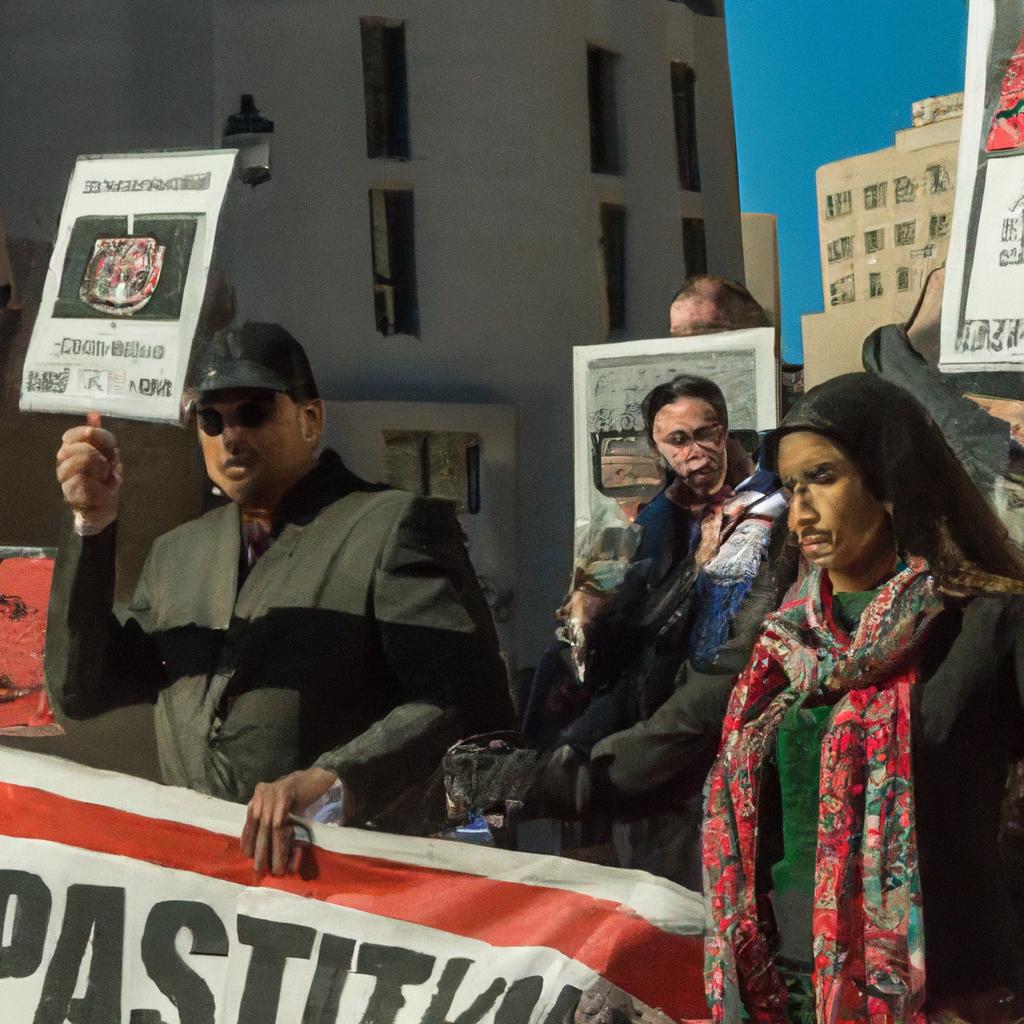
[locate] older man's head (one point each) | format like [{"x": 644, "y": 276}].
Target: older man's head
[{"x": 706, "y": 304}]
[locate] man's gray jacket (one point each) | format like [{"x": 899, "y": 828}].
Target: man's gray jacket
[{"x": 359, "y": 642}]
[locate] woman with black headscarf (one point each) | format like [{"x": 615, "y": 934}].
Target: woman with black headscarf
[{"x": 850, "y": 836}]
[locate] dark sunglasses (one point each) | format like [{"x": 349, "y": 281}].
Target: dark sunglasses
[{"x": 249, "y": 415}]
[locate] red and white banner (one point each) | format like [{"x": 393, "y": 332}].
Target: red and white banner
[{"x": 124, "y": 901}]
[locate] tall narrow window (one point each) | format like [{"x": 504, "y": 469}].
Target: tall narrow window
[
  {"x": 604, "y": 128},
  {"x": 684, "y": 109},
  {"x": 385, "y": 85},
  {"x": 613, "y": 250},
  {"x": 838, "y": 203},
  {"x": 695, "y": 250},
  {"x": 394, "y": 262}
]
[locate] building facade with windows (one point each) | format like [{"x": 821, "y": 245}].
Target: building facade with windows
[
  {"x": 460, "y": 193},
  {"x": 884, "y": 222}
]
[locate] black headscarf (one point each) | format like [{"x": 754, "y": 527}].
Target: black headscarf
[{"x": 937, "y": 512}]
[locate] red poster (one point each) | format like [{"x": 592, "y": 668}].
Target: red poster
[
  {"x": 25, "y": 575},
  {"x": 1007, "y": 129}
]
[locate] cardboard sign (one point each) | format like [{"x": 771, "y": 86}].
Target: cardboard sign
[
  {"x": 122, "y": 900},
  {"x": 125, "y": 284}
]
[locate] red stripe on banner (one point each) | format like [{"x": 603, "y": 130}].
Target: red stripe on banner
[{"x": 659, "y": 968}]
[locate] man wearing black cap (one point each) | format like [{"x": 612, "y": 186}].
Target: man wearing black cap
[{"x": 316, "y": 630}]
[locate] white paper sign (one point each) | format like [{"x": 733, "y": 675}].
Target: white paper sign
[
  {"x": 125, "y": 284},
  {"x": 983, "y": 297},
  {"x": 610, "y": 382}
]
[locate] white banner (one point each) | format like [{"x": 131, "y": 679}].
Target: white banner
[
  {"x": 124, "y": 901},
  {"x": 125, "y": 284}
]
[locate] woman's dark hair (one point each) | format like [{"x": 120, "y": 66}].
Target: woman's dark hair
[
  {"x": 683, "y": 386},
  {"x": 938, "y": 514}
]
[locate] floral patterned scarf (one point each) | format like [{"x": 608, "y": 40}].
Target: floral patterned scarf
[{"x": 868, "y": 950}]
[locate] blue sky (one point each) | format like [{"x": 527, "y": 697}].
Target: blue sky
[{"x": 814, "y": 82}]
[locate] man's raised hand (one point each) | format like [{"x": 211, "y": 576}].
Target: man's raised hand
[{"x": 89, "y": 472}]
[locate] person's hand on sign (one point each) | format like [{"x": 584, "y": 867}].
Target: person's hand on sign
[
  {"x": 268, "y": 837},
  {"x": 90, "y": 472}
]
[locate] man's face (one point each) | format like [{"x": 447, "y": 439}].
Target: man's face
[
  {"x": 691, "y": 439},
  {"x": 699, "y": 313},
  {"x": 257, "y": 443}
]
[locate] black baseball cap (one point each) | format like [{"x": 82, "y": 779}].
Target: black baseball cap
[{"x": 255, "y": 355}]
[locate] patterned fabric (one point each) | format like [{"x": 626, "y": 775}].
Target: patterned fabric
[
  {"x": 742, "y": 530},
  {"x": 868, "y": 953}
]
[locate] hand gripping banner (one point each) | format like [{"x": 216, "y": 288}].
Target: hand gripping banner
[{"x": 124, "y": 901}]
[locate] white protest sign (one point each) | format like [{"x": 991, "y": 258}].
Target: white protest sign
[
  {"x": 610, "y": 382},
  {"x": 125, "y": 284},
  {"x": 983, "y": 296}
]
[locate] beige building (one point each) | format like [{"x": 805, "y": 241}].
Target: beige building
[
  {"x": 761, "y": 261},
  {"x": 884, "y": 222}
]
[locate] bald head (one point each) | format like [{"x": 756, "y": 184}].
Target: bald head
[{"x": 706, "y": 304}]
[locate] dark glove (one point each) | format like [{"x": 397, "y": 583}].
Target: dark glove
[{"x": 491, "y": 774}]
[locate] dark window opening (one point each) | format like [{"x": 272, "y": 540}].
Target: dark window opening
[
  {"x": 684, "y": 109},
  {"x": 605, "y": 157},
  {"x": 613, "y": 250},
  {"x": 695, "y": 250},
  {"x": 396, "y": 306},
  {"x": 386, "y": 87}
]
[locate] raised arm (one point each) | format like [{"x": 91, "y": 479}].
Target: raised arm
[{"x": 93, "y": 661}]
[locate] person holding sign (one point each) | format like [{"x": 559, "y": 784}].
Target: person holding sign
[{"x": 316, "y": 631}]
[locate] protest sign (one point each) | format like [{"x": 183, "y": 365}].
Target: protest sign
[
  {"x": 25, "y": 575},
  {"x": 125, "y": 284},
  {"x": 121, "y": 900},
  {"x": 611, "y": 380},
  {"x": 983, "y": 300}
]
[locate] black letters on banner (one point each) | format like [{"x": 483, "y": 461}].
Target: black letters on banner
[
  {"x": 565, "y": 1005},
  {"x": 32, "y": 901},
  {"x": 393, "y": 968},
  {"x": 519, "y": 1001},
  {"x": 95, "y": 911},
  {"x": 451, "y": 978},
  {"x": 179, "y": 983},
  {"x": 332, "y": 967},
  {"x": 273, "y": 942}
]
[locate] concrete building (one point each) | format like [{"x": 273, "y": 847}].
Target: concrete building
[
  {"x": 761, "y": 261},
  {"x": 884, "y": 221},
  {"x": 461, "y": 192}
]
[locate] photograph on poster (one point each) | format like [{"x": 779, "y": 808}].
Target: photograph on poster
[
  {"x": 113, "y": 270},
  {"x": 1007, "y": 127}
]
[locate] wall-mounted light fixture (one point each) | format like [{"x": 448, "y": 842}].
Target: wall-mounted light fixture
[{"x": 249, "y": 131}]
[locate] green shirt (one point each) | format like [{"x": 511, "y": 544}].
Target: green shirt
[{"x": 798, "y": 756}]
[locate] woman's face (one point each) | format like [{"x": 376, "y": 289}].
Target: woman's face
[{"x": 839, "y": 523}]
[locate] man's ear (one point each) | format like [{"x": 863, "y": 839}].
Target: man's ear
[{"x": 311, "y": 419}]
